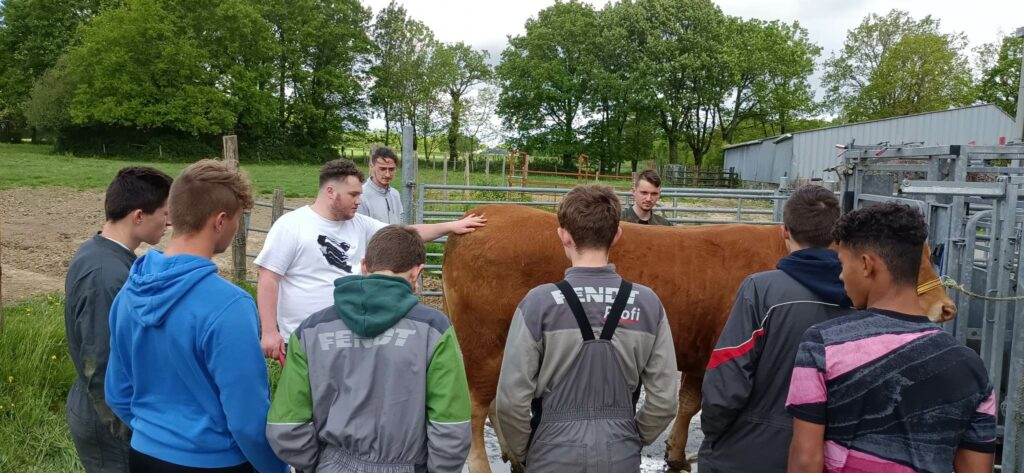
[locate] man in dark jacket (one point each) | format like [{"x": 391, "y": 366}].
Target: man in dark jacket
[
  {"x": 136, "y": 212},
  {"x": 744, "y": 419},
  {"x": 646, "y": 191}
]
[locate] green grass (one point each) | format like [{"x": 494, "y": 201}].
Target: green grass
[
  {"x": 35, "y": 377},
  {"x": 26, "y": 165}
]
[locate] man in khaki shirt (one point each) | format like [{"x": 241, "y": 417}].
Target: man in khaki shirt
[{"x": 646, "y": 191}]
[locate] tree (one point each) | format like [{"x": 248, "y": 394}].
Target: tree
[
  {"x": 769, "y": 63},
  {"x": 460, "y": 68},
  {"x": 680, "y": 68},
  {"x": 401, "y": 73},
  {"x": 920, "y": 73},
  {"x": 136, "y": 68},
  {"x": 999, "y": 66},
  {"x": 546, "y": 77},
  {"x": 863, "y": 82},
  {"x": 34, "y": 34}
]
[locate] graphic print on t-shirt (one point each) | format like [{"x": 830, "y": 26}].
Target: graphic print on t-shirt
[{"x": 336, "y": 252}]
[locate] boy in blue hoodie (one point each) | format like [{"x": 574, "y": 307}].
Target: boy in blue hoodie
[
  {"x": 743, "y": 412},
  {"x": 186, "y": 371}
]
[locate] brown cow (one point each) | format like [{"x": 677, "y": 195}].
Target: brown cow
[{"x": 696, "y": 272}]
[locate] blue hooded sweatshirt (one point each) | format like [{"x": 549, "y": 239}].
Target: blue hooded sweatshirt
[
  {"x": 186, "y": 371},
  {"x": 818, "y": 270}
]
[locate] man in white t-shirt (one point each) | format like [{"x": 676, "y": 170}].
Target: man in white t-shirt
[
  {"x": 380, "y": 200},
  {"x": 309, "y": 248}
]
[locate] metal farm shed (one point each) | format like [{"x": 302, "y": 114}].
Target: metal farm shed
[{"x": 806, "y": 154}]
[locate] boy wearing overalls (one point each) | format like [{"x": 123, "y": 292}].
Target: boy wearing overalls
[{"x": 577, "y": 350}]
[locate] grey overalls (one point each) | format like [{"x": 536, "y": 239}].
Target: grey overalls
[{"x": 586, "y": 423}]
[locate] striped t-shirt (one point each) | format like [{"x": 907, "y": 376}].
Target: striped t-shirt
[{"x": 895, "y": 393}]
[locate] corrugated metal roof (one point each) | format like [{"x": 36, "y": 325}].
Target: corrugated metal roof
[
  {"x": 813, "y": 151},
  {"x": 901, "y": 117}
]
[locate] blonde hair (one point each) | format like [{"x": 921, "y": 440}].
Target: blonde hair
[{"x": 204, "y": 189}]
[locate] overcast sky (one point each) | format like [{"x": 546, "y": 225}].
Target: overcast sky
[{"x": 485, "y": 24}]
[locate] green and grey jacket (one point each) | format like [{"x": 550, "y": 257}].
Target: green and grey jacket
[{"x": 375, "y": 383}]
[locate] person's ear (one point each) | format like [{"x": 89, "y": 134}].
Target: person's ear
[
  {"x": 566, "y": 238},
  {"x": 868, "y": 264},
  {"x": 362, "y": 265},
  {"x": 785, "y": 233},
  {"x": 221, "y": 221},
  {"x": 618, "y": 234},
  {"x": 136, "y": 216},
  {"x": 414, "y": 276}
]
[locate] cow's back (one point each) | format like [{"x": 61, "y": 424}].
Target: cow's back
[{"x": 694, "y": 270}]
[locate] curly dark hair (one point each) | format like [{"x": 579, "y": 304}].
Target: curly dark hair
[
  {"x": 896, "y": 232},
  {"x": 339, "y": 169}
]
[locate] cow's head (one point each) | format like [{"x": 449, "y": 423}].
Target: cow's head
[{"x": 932, "y": 295}]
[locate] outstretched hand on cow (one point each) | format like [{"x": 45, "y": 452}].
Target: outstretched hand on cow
[{"x": 468, "y": 224}]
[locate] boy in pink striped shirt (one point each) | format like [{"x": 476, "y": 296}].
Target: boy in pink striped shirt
[{"x": 885, "y": 390}]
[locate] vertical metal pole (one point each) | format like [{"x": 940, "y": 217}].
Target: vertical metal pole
[
  {"x": 1000, "y": 271},
  {"x": 1019, "y": 130},
  {"x": 409, "y": 166},
  {"x": 1014, "y": 422}
]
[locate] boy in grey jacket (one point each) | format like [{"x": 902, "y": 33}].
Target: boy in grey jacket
[
  {"x": 135, "y": 207},
  {"x": 565, "y": 394},
  {"x": 374, "y": 383}
]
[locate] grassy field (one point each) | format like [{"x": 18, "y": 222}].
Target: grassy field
[
  {"x": 35, "y": 377},
  {"x": 26, "y": 165}
]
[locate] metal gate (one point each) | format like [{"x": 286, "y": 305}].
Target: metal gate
[{"x": 438, "y": 203}]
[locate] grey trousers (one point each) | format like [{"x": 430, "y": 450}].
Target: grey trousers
[{"x": 98, "y": 449}]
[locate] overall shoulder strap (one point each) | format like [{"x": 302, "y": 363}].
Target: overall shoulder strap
[
  {"x": 612, "y": 321},
  {"x": 576, "y": 308}
]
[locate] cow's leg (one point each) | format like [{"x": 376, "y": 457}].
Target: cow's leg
[
  {"x": 492, "y": 414},
  {"x": 478, "y": 462},
  {"x": 689, "y": 405}
]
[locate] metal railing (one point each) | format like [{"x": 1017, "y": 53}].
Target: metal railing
[{"x": 436, "y": 203}]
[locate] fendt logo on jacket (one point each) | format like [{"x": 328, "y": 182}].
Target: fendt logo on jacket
[
  {"x": 347, "y": 339},
  {"x": 603, "y": 295}
]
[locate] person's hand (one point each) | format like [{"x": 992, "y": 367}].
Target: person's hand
[
  {"x": 468, "y": 224},
  {"x": 272, "y": 344}
]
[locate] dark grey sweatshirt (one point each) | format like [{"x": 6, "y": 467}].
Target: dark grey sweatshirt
[{"x": 95, "y": 275}]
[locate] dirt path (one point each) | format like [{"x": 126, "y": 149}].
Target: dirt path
[{"x": 42, "y": 228}]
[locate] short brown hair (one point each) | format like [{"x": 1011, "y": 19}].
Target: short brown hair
[
  {"x": 204, "y": 189},
  {"x": 648, "y": 175},
  {"x": 810, "y": 213},
  {"x": 383, "y": 152},
  {"x": 591, "y": 215},
  {"x": 395, "y": 248},
  {"x": 339, "y": 169}
]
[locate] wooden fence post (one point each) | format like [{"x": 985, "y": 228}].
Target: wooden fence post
[
  {"x": 277, "y": 206},
  {"x": 238, "y": 245},
  {"x": 1, "y": 280},
  {"x": 231, "y": 150}
]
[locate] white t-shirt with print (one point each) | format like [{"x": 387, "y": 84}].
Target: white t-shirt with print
[{"x": 310, "y": 252}]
